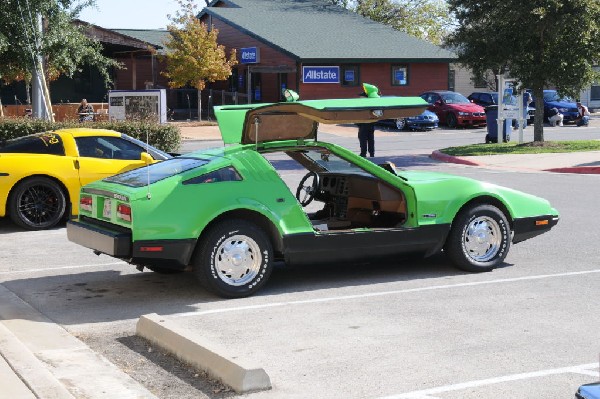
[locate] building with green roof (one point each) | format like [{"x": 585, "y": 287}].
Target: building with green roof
[{"x": 321, "y": 50}]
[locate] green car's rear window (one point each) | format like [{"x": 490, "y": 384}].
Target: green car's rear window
[{"x": 155, "y": 172}]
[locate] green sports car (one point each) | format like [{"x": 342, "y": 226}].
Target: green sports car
[{"x": 228, "y": 214}]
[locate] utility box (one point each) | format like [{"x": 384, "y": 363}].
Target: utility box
[{"x": 149, "y": 105}]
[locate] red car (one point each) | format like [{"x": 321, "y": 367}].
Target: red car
[{"x": 454, "y": 109}]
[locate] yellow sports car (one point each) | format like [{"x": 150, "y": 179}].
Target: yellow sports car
[{"x": 41, "y": 174}]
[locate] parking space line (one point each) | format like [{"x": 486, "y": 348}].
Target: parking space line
[
  {"x": 489, "y": 381},
  {"x": 384, "y": 293},
  {"x": 7, "y": 273}
]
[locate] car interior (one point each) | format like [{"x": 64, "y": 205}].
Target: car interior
[{"x": 344, "y": 195}]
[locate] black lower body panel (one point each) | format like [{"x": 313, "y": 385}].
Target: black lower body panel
[
  {"x": 362, "y": 245},
  {"x": 163, "y": 252},
  {"x": 526, "y": 228}
]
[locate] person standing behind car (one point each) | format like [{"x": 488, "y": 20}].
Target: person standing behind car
[
  {"x": 366, "y": 139},
  {"x": 555, "y": 117},
  {"x": 583, "y": 115},
  {"x": 366, "y": 131}
]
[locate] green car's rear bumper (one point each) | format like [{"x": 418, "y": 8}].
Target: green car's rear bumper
[
  {"x": 117, "y": 242},
  {"x": 111, "y": 242}
]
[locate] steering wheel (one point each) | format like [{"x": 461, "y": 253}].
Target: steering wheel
[{"x": 309, "y": 190}]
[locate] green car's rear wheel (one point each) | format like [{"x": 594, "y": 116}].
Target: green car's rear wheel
[
  {"x": 37, "y": 203},
  {"x": 234, "y": 260},
  {"x": 479, "y": 239}
]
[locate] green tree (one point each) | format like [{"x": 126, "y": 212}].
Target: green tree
[
  {"x": 426, "y": 19},
  {"x": 193, "y": 55},
  {"x": 540, "y": 43},
  {"x": 52, "y": 46}
]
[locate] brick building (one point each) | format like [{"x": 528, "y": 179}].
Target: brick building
[{"x": 320, "y": 51}]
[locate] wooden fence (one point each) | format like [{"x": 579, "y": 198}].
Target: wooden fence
[{"x": 62, "y": 112}]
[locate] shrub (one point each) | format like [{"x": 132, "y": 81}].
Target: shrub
[{"x": 165, "y": 137}]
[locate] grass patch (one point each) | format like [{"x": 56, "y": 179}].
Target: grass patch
[{"x": 524, "y": 148}]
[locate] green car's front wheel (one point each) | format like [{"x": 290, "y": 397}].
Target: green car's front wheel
[
  {"x": 479, "y": 239},
  {"x": 234, "y": 260}
]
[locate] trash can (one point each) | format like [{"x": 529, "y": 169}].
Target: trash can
[{"x": 491, "y": 119}]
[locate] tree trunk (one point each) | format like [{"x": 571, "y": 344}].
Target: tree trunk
[
  {"x": 538, "y": 126},
  {"x": 199, "y": 105}
]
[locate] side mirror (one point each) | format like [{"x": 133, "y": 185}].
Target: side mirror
[
  {"x": 146, "y": 158},
  {"x": 438, "y": 102}
]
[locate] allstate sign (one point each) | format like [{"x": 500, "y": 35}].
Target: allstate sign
[
  {"x": 321, "y": 74},
  {"x": 249, "y": 55}
]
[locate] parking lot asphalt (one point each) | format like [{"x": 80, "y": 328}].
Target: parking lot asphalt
[{"x": 26, "y": 336}]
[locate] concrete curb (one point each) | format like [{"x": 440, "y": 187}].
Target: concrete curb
[
  {"x": 588, "y": 170},
  {"x": 197, "y": 351},
  {"x": 440, "y": 156}
]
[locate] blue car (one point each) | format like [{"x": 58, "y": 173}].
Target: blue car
[
  {"x": 588, "y": 391},
  {"x": 565, "y": 105},
  {"x": 426, "y": 121}
]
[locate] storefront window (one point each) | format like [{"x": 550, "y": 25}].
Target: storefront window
[
  {"x": 595, "y": 92},
  {"x": 399, "y": 75},
  {"x": 350, "y": 75}
]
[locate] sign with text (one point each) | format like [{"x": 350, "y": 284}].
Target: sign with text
[
  {"x": 321, "y": 74},
  {"x": 250, "y": 55},
  {"x": 137, "y": 105}
]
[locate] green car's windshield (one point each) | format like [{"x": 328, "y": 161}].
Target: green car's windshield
[
  {"x": 155, "y": 172},
  {"x": 331, "y": 162}
]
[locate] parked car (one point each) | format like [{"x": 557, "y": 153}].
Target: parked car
[
  {"x": 454, "y": 109},
  {"x": 41, "y": 174},
  {"x": 588, "y": 391},
  {"x": 565, "y": 105},
  {"x": 227, "y": 213},
  {"x": 426, "y": 121},
  {"x": 487, "y": 98}
]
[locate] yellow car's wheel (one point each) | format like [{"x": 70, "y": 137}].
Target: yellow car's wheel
[{"x": 37, "y": 203}]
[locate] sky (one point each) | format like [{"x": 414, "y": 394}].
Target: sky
[{"x": 134, "y": 14}]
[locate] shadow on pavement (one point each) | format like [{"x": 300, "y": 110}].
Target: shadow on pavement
[{"x": 105, "y": 296}]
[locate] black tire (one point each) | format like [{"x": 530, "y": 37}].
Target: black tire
[
  {"x": 37, "y": 203},
  {"x": 451, "y": 120},
  {"x": 164, "y": 270},
  {"x": 400, "y": 123},
  {"x": 479, "y": 239},
  {"x": 226, "y": 244}
]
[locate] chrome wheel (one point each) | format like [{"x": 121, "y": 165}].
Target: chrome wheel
[
  {"x": 238, "y": 260},
  {"x": 482, "y": 238},
  {"x": 479, "y": 239}
]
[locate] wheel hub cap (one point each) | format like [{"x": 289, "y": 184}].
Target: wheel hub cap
[
  {"x": 238, "y": 260},
  {"x": 482, "y": 238}
]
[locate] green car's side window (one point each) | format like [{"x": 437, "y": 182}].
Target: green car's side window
[{"x": 220, "y": 175}]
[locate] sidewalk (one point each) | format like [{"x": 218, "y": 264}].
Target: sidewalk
[{"x": 587, "y": 162}]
